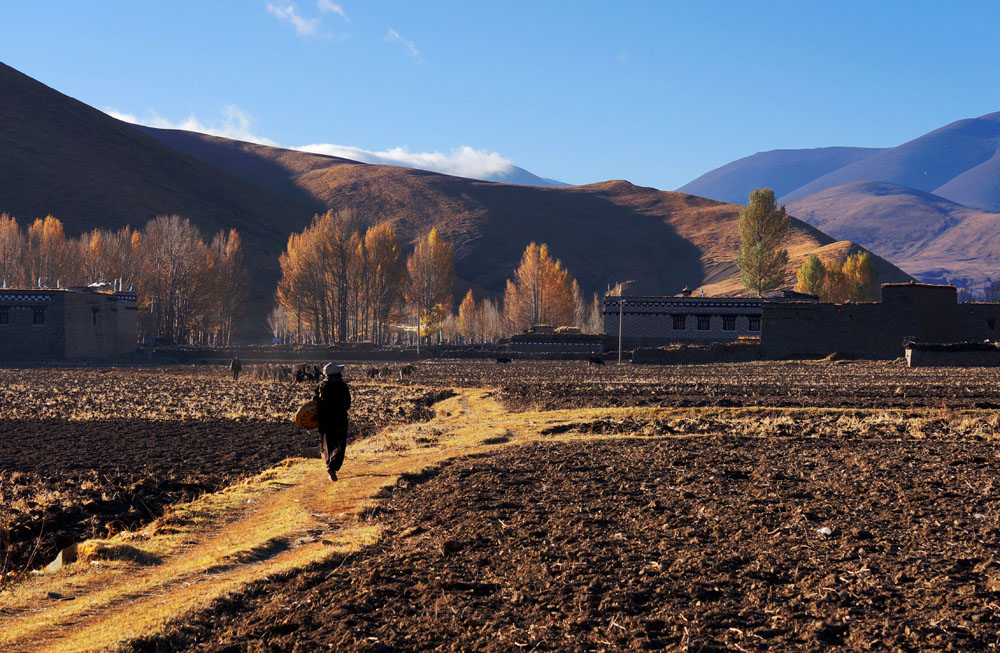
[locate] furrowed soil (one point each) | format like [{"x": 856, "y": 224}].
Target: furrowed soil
[
  {"x": 91, "y": 452},
  {"x": 548, "y": 385},
  {"x": 749, "y": 506},
  {"x": 701, "y": 543}
]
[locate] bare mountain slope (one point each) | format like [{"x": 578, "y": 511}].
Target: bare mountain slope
[
  {"x": 604, "y": 232},
  {"x": 928, "y": 163},
  {"x": 930, "y": 237},
  {"x": 60, "y": 156},
  {"x": 780, "y": 170}
]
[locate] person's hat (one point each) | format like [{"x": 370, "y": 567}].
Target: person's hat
[{"x": 332, "y": 368}]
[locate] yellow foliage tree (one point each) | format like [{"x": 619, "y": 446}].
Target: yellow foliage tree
[
  {"x": 862, "y": 278},
  {"x": 431, "y": 281},
  {"x": 541, "y": 292}
]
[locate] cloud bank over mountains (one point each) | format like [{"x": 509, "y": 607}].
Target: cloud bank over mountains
[{"x": 234, "y": 123}]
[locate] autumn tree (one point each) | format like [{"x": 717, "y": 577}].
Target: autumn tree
[
  {"x": 430, "y": 281},
  {"x": 230, "y": 280},
  {"x": 541, "y": 292},
  {"x": 810, "y": 276},
  {"x": 466, "y": 322},
  {"x": 50, "y": 259},
  {"x": 861, "y": 276},
  {"x": 763, "y": 228},
  {"x": 12, "y": 248},
  {"x": 386, "y": 273},
  {"x": 836, "y": 288},
  {"x": 174, "y": 276}
]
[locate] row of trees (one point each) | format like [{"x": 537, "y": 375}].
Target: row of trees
[
  {"x": 853, "y": 280},
  {"x": 342, "y": 281},
  {"x": 194, "y": 289}
]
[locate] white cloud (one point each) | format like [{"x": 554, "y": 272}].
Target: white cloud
[
  {"x": 234, "y": 123},
  {"x": 288, "y": 11},
  {"x": 462, "y": 161},
  {"x": 327, "y": 6},
  {"x": 393, "y": 37}
]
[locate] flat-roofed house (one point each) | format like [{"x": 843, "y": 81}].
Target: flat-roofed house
[{"x": 66, "y": 324}]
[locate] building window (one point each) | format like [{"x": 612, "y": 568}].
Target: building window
[
  {"x": 704, "y": 323},
  {"x": 754, "y": 323},
  {"x": 4, "y": 316},
  {"x": 728, "y": 322},
  {"x": 680, "y": 322},
  {"x": 990, "y": 324},
  {"x": 94, "y": 312},
  {"x": 39, "y": 316}
]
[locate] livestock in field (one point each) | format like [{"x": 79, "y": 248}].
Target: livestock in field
[{"x": 307, "y": 372}]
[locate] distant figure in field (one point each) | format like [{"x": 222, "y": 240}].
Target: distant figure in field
[
  {"x": 334, "y": 400},
  {"x": 235, "y": 366}
]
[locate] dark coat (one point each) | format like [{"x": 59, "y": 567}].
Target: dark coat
[{"x": 334, "y": 400}]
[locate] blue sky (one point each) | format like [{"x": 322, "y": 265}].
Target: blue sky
[{"x": 653, "y": 92}]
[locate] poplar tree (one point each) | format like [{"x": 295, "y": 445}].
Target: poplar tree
[
  {"x": 763, "y": 228},
  {"x": 810, "y": 276},
  {"x": 431, "y": 281},
  {"x": 862, "y": 279}
]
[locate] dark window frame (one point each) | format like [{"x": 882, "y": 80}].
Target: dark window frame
[
  {"x": 991, "y": 324},
  {"x": 682, "y": 320},
  {"x": 4, "y": 316},
  {"x": 705, "y": 320},
  {"x": 38, "y": 317},
  {"x": 728, "y": 322},
  {"x": 754, "y": 324}
]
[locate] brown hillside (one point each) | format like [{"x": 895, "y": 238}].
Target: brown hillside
[
  {"x": 604, "y": 232},
  {"x": 60, "y": 156},
  {"x": 929, "y": 236}
]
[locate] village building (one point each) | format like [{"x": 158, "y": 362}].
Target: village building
[
  {"x": 791, "y": 324},
  {"x": 655, "y": 321},
  {"x": 85, "y": 323}
]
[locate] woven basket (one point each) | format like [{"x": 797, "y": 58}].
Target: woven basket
[{"x": 308, "y": 415}]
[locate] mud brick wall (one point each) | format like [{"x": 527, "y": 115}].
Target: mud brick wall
[
  {"x": 978, "y": 322},
  {"x": 74, "y": 325},
  {"x": 925, "y": 358},
  {"x": 926, "y": 312},
  {"x": 21, "y": 339},
  {"x": 649, "y": 321}
]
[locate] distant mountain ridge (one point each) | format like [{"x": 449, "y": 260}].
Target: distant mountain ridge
[
  {"x": 959, "y": 162},
  {"x": 929, "y": 205},
  {"x": 783, "y": 171}
]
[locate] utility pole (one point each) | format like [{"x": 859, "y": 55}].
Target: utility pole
[
  {"x": 151, "y": 330},
  {"x": 621, "y": 312},
  {"x": 418, "y": 330}
]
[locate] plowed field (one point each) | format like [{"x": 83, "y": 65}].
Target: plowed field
[
  {"x": 92, "y": 451},
  {"x": 712, "y": 543}
]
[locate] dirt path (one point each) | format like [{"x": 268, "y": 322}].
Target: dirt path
[{"x": 285, "y": 518}]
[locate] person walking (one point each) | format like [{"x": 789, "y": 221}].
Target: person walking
[
  {"x": 235, "y": 366},
  {"x": 334, "y": 400}
]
